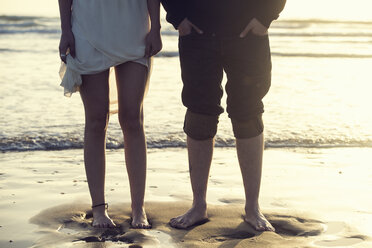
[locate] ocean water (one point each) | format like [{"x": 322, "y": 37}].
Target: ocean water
[{"x": 320, "y": 95}]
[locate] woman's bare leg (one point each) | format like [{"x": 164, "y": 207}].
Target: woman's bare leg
[
  {"x": 95, "y": 95},
  {"x": 132, "y": 83}
]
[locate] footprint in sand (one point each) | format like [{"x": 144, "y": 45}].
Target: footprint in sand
[
  {"x": 238, "y": 235},
  {"x": 232, "y": 200},
  {"x": 341, "y": 242},
  {"x": 332, "y": 234},
  {"x": 286, "y": 225},
  {"x": 71, "y": 224},
  {"x": 338, "y": 234},
  {"x": 295, "y": 226}
]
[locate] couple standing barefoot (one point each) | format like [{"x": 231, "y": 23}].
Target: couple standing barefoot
[{"x": 215, "y": 36}]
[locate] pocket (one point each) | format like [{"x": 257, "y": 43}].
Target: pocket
[
  {"x": 185, "y": 35},
  {"x": 250, "y": 53},
  {"x": 257, "y": 36},
  {"x": 192, "y": 33}
]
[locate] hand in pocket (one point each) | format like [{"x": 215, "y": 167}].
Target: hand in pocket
[
  {"x": 186, "y": 27},
  {"x": 256, "y": 27}
]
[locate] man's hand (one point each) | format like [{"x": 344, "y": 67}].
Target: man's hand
[
  {"x": 186, "y": 27},
  {"x": 153, "y": 43},
  {"x": 256, "y": 27}
]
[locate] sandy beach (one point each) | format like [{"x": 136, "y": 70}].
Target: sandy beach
[
  {"x": 317, "y": 178},
  {"x": 313, "y": 197}
]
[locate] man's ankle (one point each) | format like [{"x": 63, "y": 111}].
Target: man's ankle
[
  {"x": 199, "y": 204},
  {"x": 252, "y": 207}
]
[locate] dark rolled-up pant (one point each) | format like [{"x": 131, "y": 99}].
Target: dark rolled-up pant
[{"x": 247, "y": 64}]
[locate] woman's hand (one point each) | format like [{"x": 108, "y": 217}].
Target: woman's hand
[
  {"x": 67, "y": 45},
  {"x": 256, "y": 27},
  {"x": 153, "y": 42}
]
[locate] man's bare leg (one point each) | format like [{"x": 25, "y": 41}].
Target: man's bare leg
[
  {"x": 250, "y": 153},
  {"x": 200, "y": 158}
]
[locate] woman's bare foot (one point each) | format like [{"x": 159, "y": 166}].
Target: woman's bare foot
[
  {"x": 257, "y": 220},
  {"x": 195, "y": 216},
  {"x": 101, "y": 218},
  {"x": 139, "y": 219}
]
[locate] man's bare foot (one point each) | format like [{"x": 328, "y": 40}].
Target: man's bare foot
[
  {"x": 139, "y": 219},
  {"x": 195, "y": 216},
  {"x": 101, "y": 218},
  {"x": 258, "y": 221}
]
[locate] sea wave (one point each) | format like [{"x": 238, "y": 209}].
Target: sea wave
[
  {"x": 318, "y": 34},
  {"x": 171, "y": 54},
  {"x": 325, "y": 21},
  {"x": 30, "y": 31},
  {"x": 46, "y": 143},
  {"x": 323, "y": 55},
  {"x": 291, "y": 27},
  {"x": 29, "y": 24}
]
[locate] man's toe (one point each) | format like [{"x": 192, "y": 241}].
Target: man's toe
[
  {"x": 176, "y": 221},
  {"x": 171, "y": 222},
  {"x": 184, "y": 225},
  {"x": 269, "y": 227}
]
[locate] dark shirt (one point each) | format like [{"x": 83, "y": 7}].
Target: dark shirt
[{"x": 225, "y": 17}]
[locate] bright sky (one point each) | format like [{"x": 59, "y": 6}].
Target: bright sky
[{"x": 322, "y": 9}]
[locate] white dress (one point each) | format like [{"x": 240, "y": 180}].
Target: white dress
[{"x": 107, "y": 33}]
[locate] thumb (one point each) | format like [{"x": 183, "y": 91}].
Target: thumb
[
  {"x": 196, "y": 28},
  {"x": 246, "y": 30}
]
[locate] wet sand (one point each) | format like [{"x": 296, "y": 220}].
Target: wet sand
[{"x": 313, "y": 197}]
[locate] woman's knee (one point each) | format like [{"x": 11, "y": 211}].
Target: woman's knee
[
  {"x": 97, "y": 123},
  {"x": 131, "y": 120}
]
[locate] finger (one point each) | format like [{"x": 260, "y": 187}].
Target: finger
[
  {"x": 196, "y": 28},
  {"x": 63, "y": 57},
  {"x": 184, "y": 22},
  {"x": 185, "y": 29},
  {"x": 246, "y": 30},
  {"x": 62, "y": 53},
  {"x": 259, "y": 29},
  {"x": 62, "y": 49},
  {"x": 148, "y": 50},
  {"x": 155, "y": 50},
  {"x": 72, "y": 49}
]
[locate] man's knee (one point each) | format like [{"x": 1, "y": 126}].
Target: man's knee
[
  {"x": 199, "y": 126},
  {"x": 244, "y": 129}
]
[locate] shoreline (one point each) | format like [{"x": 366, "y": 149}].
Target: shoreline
[{"x": 323, "y": 190}]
